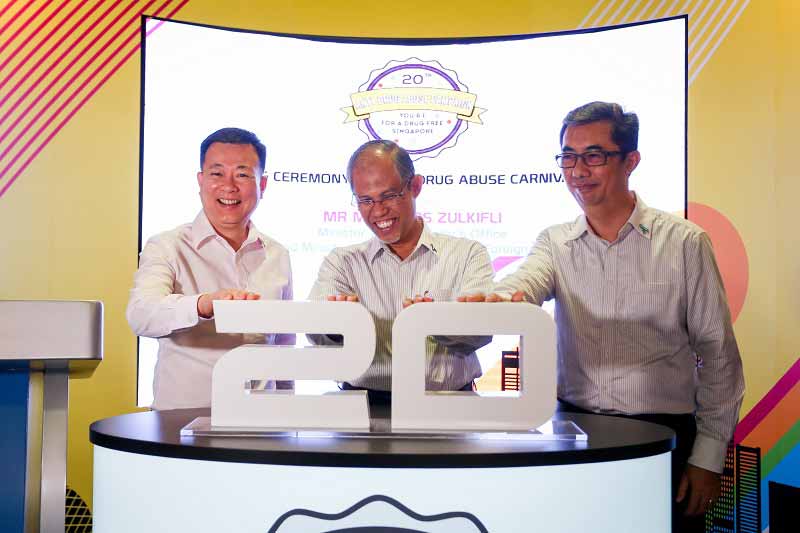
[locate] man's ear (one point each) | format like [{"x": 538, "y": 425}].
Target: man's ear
[
  {"x": 200, "y": 178},
  {"x": 262, "y": 185},
  {"x": 632, "y": 161},
  {"x": 416, "y": 185}
]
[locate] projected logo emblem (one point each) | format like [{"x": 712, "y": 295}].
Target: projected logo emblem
[
  {"x": 420, "y": 105},
  {"x": 373, "y": 514}
]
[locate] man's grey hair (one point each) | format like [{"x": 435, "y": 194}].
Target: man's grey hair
[
  {"x": 400, "y": 158},
  {"x": 624, "y": 126}
]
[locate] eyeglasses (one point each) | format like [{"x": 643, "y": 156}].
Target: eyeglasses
[
  {"x": 595, "y": 158},
  {"x": 387, "y": 199}
]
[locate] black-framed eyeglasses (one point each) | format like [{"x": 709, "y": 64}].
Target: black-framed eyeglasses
[
  {"x": 593, "y": 158},
  {"x": 389, "y": 199}
]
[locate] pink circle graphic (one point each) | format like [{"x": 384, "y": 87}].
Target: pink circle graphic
[{"x": 729, "y": 250}]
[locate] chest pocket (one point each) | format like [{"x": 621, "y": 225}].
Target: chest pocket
[{"x": 655, "y": 304}]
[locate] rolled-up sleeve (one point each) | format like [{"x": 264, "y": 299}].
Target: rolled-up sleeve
[
  {"x": 287, "y": 293},
  {"x": 153, "y": 309},
  {"x": 535, "y": 277},
  {"x": 331, "y": 281},
  {"x": 476, "y": 278}
]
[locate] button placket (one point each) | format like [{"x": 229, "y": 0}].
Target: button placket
[
  {"x": 610, "y": 271},
  {"x": 407, "y": 280},
  {"x": 241, "y": 271}
]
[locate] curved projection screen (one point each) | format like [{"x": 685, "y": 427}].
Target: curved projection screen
[{"x": 481, "y": 118}]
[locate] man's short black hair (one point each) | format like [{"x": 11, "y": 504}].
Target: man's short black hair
[
  {"x": 402, "y": 161},
  {"x": 624, "y": 126},
  {"x": 234, "y": 136}
]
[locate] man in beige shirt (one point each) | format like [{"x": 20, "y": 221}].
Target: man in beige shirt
[{"x": 643, "y": 323}]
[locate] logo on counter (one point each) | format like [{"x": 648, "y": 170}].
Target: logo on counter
[
  {"x": 377, "y": 513},
  {"x": 420, "y": 105}
]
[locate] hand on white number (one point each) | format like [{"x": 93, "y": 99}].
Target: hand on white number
[
  {"x": 416, "y": 300},
  {"x": 342, "y": 298},
  {"x": 518, "y": 296},
  {"x": 205, "y": 304}
]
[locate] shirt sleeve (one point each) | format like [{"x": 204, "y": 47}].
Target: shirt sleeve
[
  {"x": 476, "y": 278},
  {"x": 478, "y": 271},
  {"x": 286, "y": 339},
  {"x": 720, "y": 379},
  {"x": 331, "y": 280},
  {"x": 154, "y": 310},
  {"x": 535, "y": 277}
]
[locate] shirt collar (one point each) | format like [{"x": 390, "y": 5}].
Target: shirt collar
[
  {"x": 202, "y": 231},
  {"x": 427, "y": 239},
  {"x": 579, "y": 227},
  {"x": 641, "y": 220},
  {"x": 374, "y": 248}
]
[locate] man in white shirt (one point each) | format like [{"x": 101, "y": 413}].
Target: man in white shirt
[
  {"x": 219, "y": 256},
  {"x": 404, "y": 263},
  {"x": 643, "y": 323}
]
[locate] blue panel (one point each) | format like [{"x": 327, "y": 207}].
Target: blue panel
[
  {"x": 786, "y": 472},
  {"x": 14, "y": 385}
]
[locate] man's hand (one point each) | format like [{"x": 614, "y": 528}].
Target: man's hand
[
  {"x": 342, "y": 298},
  {"x": 205, "y": 304},
  {"x": 416, "y": 300},
  {"x": 480, "y": 297},
  {"x": 700, "y": 488},
  {"x": 476, "y": 297}
]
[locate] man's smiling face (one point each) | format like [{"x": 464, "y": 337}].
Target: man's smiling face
[
  {"x": 594, "y": 186},
  {"x": 231, "y": 184},
  {"x": 392, "y": 220}
]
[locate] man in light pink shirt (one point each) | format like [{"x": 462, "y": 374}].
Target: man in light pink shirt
[{"x": 219, "y": 256}]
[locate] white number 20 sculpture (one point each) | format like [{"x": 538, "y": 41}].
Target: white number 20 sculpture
[
  {"x": 233, "y": 405},
  {"x": 412, "y": 407}
]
